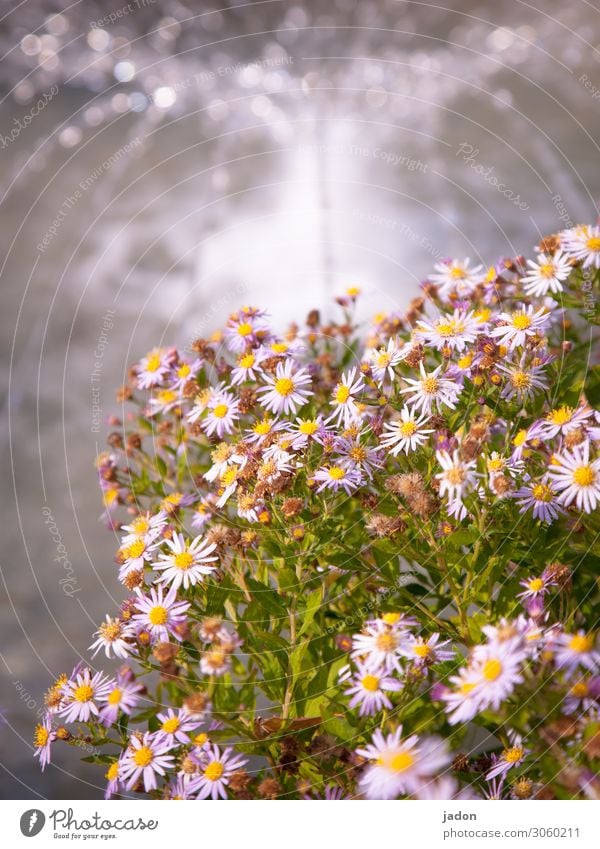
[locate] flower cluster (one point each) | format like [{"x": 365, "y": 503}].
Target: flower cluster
[{"x": 419, "y": 478}]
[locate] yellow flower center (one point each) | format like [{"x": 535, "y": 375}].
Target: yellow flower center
[
  {"x": 262, "y": 428},
  {"x": 170, "y": 726},
  {"x": 560, "y": 416},
  {"x": 136, "y": 549},
  {"x": 422, "y": 650},
  {"x": 492, "y": 669},
  {"x": 467, "y": 688},
  {"x": 214, "y": 771},
  {"x": 445, "y": 329},
  {"x": 520, "y": 380},
  {"x": 308, "y": 427},
  {"x": 593, "y": 243},
  {"x": 220, "y": 411},
  {"x": 455, "y": 475},
  {"x": 279, "y": 347},
  {"x": 407, "y": 428},
  {"x": 40, "y": 736},
  {"x": 536, "y": 584},
  {"x": 114, "y": 697},
  {"x": 465, "y": 362},
  {"x": 166, "y": 396},
  {"x": 457, "y": 273},
  {"x": 342, "y": 393},
  {"x": 158, "y": 615},
  {"x": 229, "y": 476},
  {"x": 84, "y": 693},
  {"x": 337, "y": 473},
  {"x": 546, "y": 270},
  {"x": 244, "y": 329},
  {"x": 358, "y": 453},
  {"x": 370, "y": 683},
  {"x": 401, "y": 762},
  {"x": 110, "y": 631},
  {"x": 153, "y": 363},
  {"x": 183, "y": 560},
  {"x": 391, "y": 618},
  {"x": 386, "y": 642},
  {"x": 183, "y": 370},
  {"x": 542, "y": 492},
  {"x": 143, "y": 757},
  {"x": 284, "y": 386},
  {"x": 140, "y": 525},
  {"x": 584, "y": 476},
  {"x": 521, "y": 321},
  {"x": 201, "y": 738},
  {"x": 353, "y": 291},
  {"x": 112, "y": 772},
  {"x": 520, "y": 438},
  {"x": 581, "y": 643},
  {"x": 513, "y": 755},
  {"x": 383, "y": 359},
  {"x": 247, "y": 361},
  {"x": 579, "y": 690},
  {"x": 429, "y": 385}
]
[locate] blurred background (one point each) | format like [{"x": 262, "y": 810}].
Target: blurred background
[{"x": 163, "y": 163}]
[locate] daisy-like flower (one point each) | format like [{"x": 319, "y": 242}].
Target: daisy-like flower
[
  {"x": 222, "y": 413},
  {"x": 583, "y": 696},
  {"x": 519, "y": 326},
  {"x": 496, "y": 670},
  {"x": 145, "y": 527},
  {"x": 523, "y": 381},
  {"x": 161, "y": 615},
  {"x": 577, "y": 651},
  {"x": 308, "y": 430},
  {"x": 217, "y": 767},
  {"x": 113, "y": 636},
  {"x": 81, "y": 693},
  {"x": 186, "y": 562},
  {"x": 368, "y": 689},
  {"x": 216, "y": 660},
  {"x": 384, "y": 360},
  {"x": 162, "y": 401},
  {"x": 512, "y": 756},
  {"x": 457, "y": 476},
  {"x": 563, "y": 420},
  {"x": 175, "y": 726},
  {"x": 343, "y": 398},
  {"x": 113, "y": 779},
  {"x": 183, "y": 372},
  {"x": 382, "y": 643},
  {"x": 576, "y": 477},
  {"x": 245, "y": 329},
  {"x": 541, "y": 499},
  {"x": 264, "y": 429},
  {"x": 154, "y": 367},
  {"x": 287, "y": 390},
  {"x": 452, "y": 332},
  {"x": 337, "y": 477},
  {"x": 124, "y": 696},
  {"x": 145, "y": 758},
  {"x": 406, "y": 433},
  {"x": 425, "y": 652},
  {"x": 355, "y": 454},
  {"x": 535, "y": 587},
  {"x": 400, "y": 766},
  {"x": 583, "y": 244},
  {"x": 248, "y": 366},
  {"x": 462, "y": 702},
  {"x": 43, "y": 737},
  {"x": 136, "y": 553},
  {"x": 431, "y": 389},
  {"x": 547, "y": 274},
  {"x": 456, "y": 276}
]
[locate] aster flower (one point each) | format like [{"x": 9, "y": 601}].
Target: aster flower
[
  {"x": 535, "y": 587},
  {"x": 145, "y": 758},
  {"x": 162, "y": 401},
  {"x": 563, "y": 420},
  {"x": 355, "y": 454},
  {"x": 154, "y": 367},
  {"x": 547, "y": 274},
  {"x": 175, "y": 726},
  {"x": 264, "y": 429},
  {"x": 43, "y": 737},
  {"x": 583, "y": 244},
  {"x": 145, "y": 526},
  {"x": 124, "y": 695},
  {"x": 287, "y": 390},
  {"x": 368, "y": 689},
  {"x": 583, "y": 696},
  {"x": 248, "y": 366},
  {"x": 384, "y": 360},
  {"x": 337, "y": 477},
  {"x": 462, "y": 702},
  {"x": 113, "y": 780},
  {"x": 406, "y": 433},
  {"x": 81, "y": 693},
  {"x": 452, "y": 332},
  {"x": 245, "y": 329},
  {"x": 217, "y": 767},
  {"x": 523, "y": 381},
  {"x": 305, "y": 431},
  {"x": 577, "y": 651},
  {"x": 497, "y": 670},
  {"x": 381, "y": 644},
  {"x": 576, "y": 477},
  {"x": 425, "y": 652},
  {"x": 511, "y": 757},
  {"x": 343, "y": 398},
  {"x": 430, "y": 390},
  {"x": 222, "y": 413},
  {"x": 540, "y": 498},
  {"x": 182, "y": 372},
  {"x": 457, "y": 476},
  {"x": 136, "y": 554},
  {"x": 113, "y": 636},
  {"x": 455, "y": 276},
  {"x": 186, "y": 563},
  {"x": 161, "y": 615},
  {"x": 400, "y": 766},
  {"x": 519, "y": 326}
]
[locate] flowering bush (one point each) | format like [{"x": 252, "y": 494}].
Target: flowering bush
[{"x": 359, "y": 568}]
